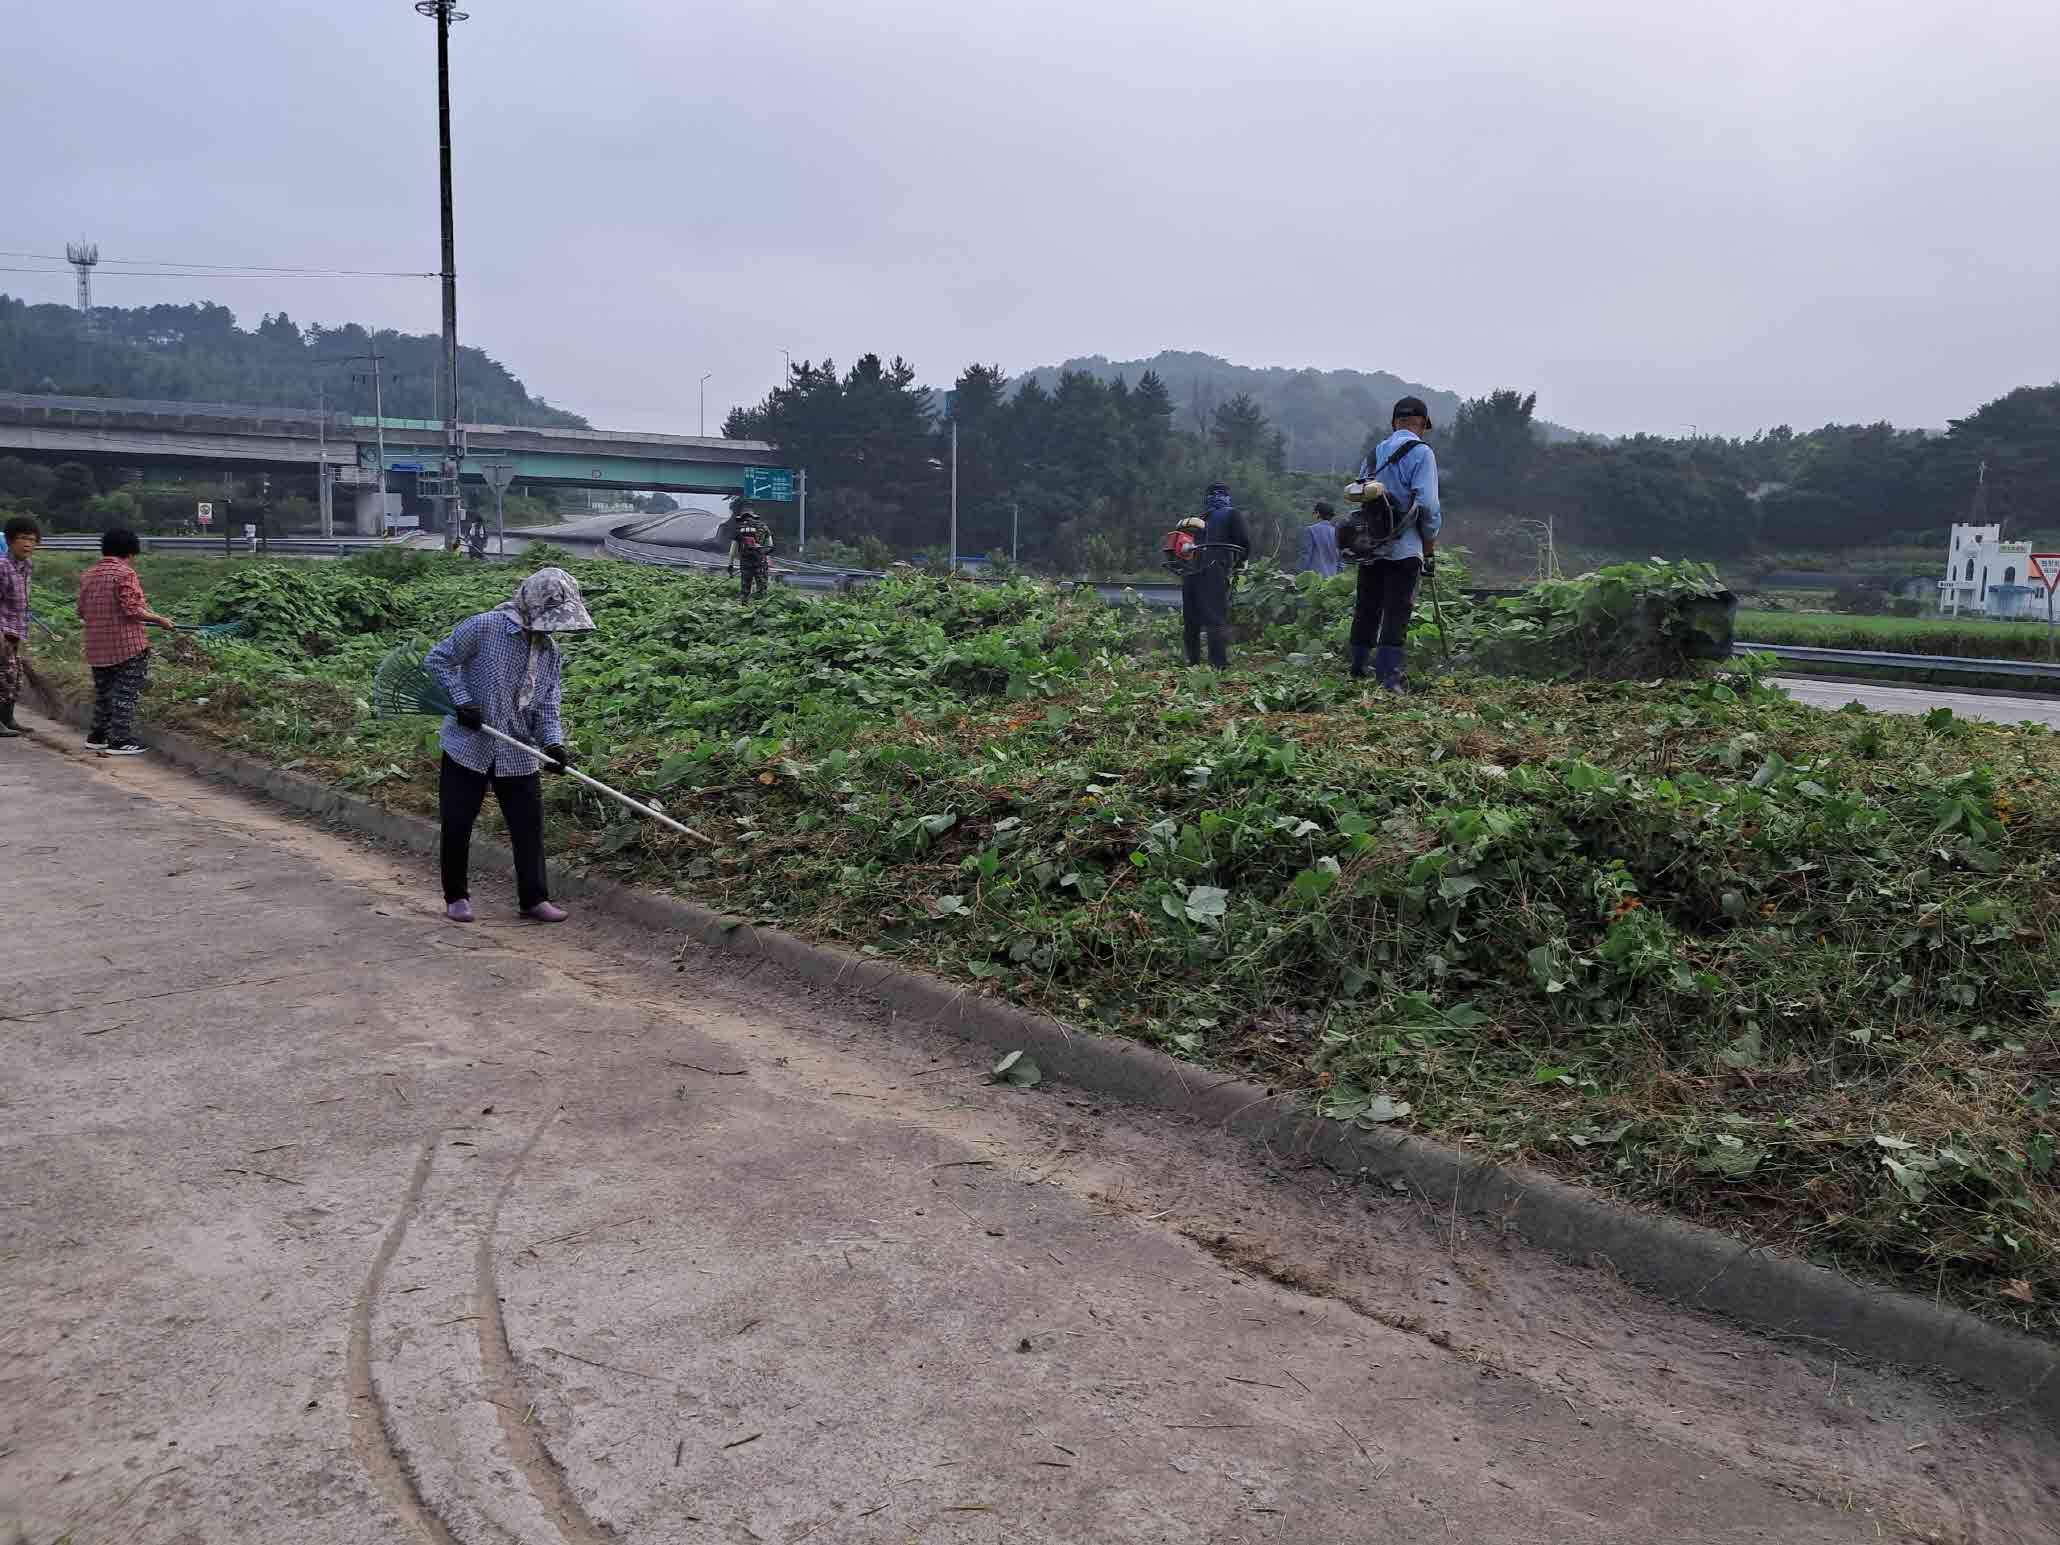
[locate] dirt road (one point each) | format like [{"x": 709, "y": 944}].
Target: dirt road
[{"x": 324, "y": 1221}]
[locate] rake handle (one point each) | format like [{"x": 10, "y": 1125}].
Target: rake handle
[{"x": 599, "y": 787}]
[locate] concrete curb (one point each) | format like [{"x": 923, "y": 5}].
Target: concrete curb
[{"x": 1694, "y": 1266}]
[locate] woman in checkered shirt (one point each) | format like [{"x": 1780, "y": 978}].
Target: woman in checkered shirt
[{"x": 112, "y": 607}]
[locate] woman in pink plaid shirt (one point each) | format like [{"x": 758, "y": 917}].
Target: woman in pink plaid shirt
[{"x": 112, "y": 607}]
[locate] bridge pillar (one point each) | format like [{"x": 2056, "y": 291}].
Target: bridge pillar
[{"x": 365, "y": 514}]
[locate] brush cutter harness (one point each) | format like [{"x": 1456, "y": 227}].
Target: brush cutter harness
[{"x": 1367, "y": 533}]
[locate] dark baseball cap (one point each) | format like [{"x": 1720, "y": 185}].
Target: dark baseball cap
[{"x": 1410, "y": 407}]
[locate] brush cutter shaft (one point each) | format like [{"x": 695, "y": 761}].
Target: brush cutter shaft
[{"x": 599, "y": 787}]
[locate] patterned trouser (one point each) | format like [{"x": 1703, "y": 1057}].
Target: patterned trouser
[
  {"x": 10, "y": 676},
  {"x": 115, "y": 690}
]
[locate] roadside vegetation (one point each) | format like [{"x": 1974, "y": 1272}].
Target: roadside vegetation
[
  {"x": 1971, "y": 637},
  {"x": 1791, "y": 973}
]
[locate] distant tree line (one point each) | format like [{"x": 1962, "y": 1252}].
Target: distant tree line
[
  {"x": 1096, "y": 469},
  {"x": 197, "y": 353},
  {"x": 1090, "y": 471},
  {"x": 1841, "y": 486}
]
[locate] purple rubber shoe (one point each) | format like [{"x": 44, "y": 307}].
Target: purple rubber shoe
[
  {"x": 459, "y": 911},
  {"x": 545, "y": 912}
]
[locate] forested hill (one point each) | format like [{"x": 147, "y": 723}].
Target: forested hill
[
  {"x": 198, "y": 354},
  {"x": 1326, "y": 415}
]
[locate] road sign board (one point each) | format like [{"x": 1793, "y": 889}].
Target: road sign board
[
  {"x": 774, "y": 483},
  {"x": 206, "y": 515},
  {"x": 499, "y": 474},
  {"x": 2046, "y": 568}
]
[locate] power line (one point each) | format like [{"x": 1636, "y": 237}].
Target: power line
[
  {"x": 241, "y": 269},
  {"x": 216, "y": 274}
]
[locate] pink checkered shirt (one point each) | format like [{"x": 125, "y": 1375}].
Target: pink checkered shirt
[{"x": 111, "y": 605}]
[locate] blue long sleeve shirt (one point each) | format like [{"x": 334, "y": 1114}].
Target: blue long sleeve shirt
[
  {"x": 1413, "y": 480},
  {"x": 1320, "y": 548},
  {"x": 483, "y": 663}
]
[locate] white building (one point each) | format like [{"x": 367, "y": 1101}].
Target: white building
[{"x": 1990, "y": 577}]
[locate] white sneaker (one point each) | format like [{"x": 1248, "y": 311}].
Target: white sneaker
[{"x": 122, "y": 748}]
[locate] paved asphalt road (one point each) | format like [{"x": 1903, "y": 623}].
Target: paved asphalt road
[
  {"x": 1883, "y": 698},
  {"x": 323, "y": 1221}
]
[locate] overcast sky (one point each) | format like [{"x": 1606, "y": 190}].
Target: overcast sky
[{"x": 1654, "y": 215}]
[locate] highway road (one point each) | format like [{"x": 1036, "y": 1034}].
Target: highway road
[{"x": 1997, "y": 708}]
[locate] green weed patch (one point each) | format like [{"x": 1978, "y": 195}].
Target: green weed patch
[{"x": 1787, "y": 972}]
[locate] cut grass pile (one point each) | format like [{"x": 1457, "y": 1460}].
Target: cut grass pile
[{"x": 1790, "y": 973}]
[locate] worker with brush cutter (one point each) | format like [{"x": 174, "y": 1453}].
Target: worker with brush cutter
[
  {"x": 1207, "y": 562},
  {"x": 751, "y": 549},
  {"x": 501, "y": 668},
  {"x": 22, "y": 536},
  {"x": 1393, "y": 536}
]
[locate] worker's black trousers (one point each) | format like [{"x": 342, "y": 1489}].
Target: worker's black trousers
[
  {"x": 1205, "y": 607},
  {"x": 459, "y": 793},
  {"x": 1387, "y": 592},
  {"x": 755, "y": 577}
]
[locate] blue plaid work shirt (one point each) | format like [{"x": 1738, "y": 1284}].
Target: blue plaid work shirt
[{"x": 483, "y": 663}]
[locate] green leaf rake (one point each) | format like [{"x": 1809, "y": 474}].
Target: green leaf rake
[{"x": 401, "y": 687}]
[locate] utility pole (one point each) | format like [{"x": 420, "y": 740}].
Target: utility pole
[
  {"x": 801, "y": 488},
  {"x": 954, "y": 496},
  {"x": 704, "y": 401},
  {"x": 1015, "y": 534},
  {"x": 379, "y": 438},
  {"x": 325, "y": 508},
  {"x": 444, "y": 12}
]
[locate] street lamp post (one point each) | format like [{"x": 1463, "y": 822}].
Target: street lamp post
[
  {"x": 704, "y": 400},
  {"x": 444, "y": 12},
  {"x": 954, "y": 496}
]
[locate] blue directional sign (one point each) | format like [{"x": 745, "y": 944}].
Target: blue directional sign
[{"x": 772, "y": 483}]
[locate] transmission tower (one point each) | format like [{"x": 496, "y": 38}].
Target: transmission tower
[{"x": 82, "y": 255}]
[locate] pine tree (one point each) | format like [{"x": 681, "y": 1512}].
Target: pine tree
[{"x": 1239, "y": 428}]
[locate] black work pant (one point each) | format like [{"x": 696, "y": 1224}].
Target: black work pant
[
  {"x": 1387, "y": 593},
  {"x": 1205, "y": 607},
  {"x": 459, "y": 793}
]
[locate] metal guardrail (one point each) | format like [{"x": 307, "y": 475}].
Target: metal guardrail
[
  {"x": 1889, "y": 659},
  {"x": 331, "y": 547}
]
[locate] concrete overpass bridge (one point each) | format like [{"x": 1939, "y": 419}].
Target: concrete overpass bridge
[{"x": 217, "y": 435}]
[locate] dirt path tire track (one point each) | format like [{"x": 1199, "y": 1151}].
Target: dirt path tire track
[
  {"x": 503, "y": 1384},
  {"x": 371, "y": 1429}
]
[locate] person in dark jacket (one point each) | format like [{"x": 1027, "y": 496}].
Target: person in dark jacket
[{"x": 1205, "y": 592}]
